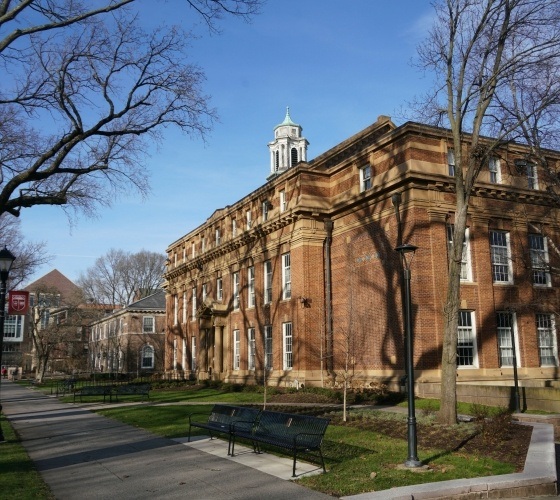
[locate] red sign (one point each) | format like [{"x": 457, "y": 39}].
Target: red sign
[{"x": 18, "y": 303}]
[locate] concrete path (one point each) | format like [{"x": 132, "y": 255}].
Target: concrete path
[{"x": 85, "y": 456}]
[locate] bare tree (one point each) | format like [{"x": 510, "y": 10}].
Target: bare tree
[
  {"x": 53, "y": 327},
  {"x": 29, "y": 255},
  {"x": 84, "y": 89},
  {"x": 496, "y": 64},
  {"x": 121, "y": 277}
]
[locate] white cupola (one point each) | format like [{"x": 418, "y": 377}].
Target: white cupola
[{"x": 288, "y": 147}]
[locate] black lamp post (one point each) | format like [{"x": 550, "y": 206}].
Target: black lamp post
[
  {"x": 407, "y": 253},
  {"x": 6, "y": 261}
]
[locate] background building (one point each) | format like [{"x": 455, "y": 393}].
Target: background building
[
  {"x": 130, "y": 340},
  {"x": 299, "y": 283}
]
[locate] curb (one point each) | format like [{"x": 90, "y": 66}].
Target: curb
[{"x": 538, "y": 478}]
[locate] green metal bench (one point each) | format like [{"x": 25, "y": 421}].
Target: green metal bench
[
  {"x": 221, "y": 419},
  {"x": 132, "y": 390},
  {"x": 93, "y": 390},
  {"x": 295, "y": 433}
]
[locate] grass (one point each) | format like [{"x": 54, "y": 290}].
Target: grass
[
  {"x": 19, "y": 478},
  {"x": 358, "y": 460},
  {"x": 351, "y": 454}
]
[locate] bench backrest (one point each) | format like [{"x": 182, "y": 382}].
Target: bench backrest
[
  {"x": 288, "y": 425},
  {"x": 225, "y": 414}
]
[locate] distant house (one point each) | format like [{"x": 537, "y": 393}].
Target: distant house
[
  {"x": 130, "y": 340},
  {"x": 58, "y": 318}
]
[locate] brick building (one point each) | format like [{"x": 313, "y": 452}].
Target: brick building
[
  {"x": 299, "y": 281},
  {"x": 130, "y": 339}
]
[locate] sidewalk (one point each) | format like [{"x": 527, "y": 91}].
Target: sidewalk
[{"x": 83, "y": 456}]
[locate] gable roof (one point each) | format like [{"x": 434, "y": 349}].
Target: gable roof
[
  {"x": 154, "y": 301},
  {"x": 55, "y": 280}
]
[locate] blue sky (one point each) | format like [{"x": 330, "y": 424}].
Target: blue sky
[{"x": 338, "y": 65}]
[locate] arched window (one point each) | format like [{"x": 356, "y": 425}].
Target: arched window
[
  {"x": 147, "y": 357},
  {"x": 294, "y": 156}
]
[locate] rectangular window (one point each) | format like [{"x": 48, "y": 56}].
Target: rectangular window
[
  {"x": 451, "y": 163},
  {"x": 283, "y": 201},
  {"x": 219, "y": 289},
  {"x": 218, "y": 237},
  {"x": 506, "y": 337},
  {"x": 538, "y": 248},
  {"x": 268, "y": 347},
  {"x": 175, "y": 353},
  {"x": 532, "y": 178},
  {"x": 13, "y": 327},
  {"x": 546, "y": 333},
  {"x": 466, "y": 268},
  {"x": 248, "y": 220},
  {"x": 288, "y": 346},
  {"x": 286, "y": 277},
  {"x": 193, "y": 309},
  {"x": 365, "y": 178},
  {"x": 185, "y": 307},
  {"x": 267, "y": 282},
  {"x": 203, "y": 244},
  {"x": 175, "y": 309},
  {"x": 193, "y": 354},
  {"x": 193, "y": 250},
  {"x": 236, "y": 350},
  {"x": 500, "y": 254},
  {"x": 233, "y": 228},
  {"x": 184, "y": 355},
  {"x": 466, "y": 340},
  {"x": 235, "y": 280},
  {"x": 204, "y": 292},
  {"x": 265, "y": 211},
  {"x": 148, "y": 324},
  {"x": 251, "y": 286},
  {"x": 495, "y": 170},
  {"x": 252, "y": 348}
]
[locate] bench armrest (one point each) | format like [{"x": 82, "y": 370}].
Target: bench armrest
[{"x": 207, "y": 414}]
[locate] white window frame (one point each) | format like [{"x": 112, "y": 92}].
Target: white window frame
[
  {"x": 283, "y": 201},
  {"x": 451, "y": 163},
  {"x": 494, "y": 170},
  {"x": 466, "y": 263},
  {"x": 184, "y": 355},
  {"x": 532, "y": 176},
  {"x": 233, "y": 228},
  {"x": 466, "y": 339},
  {"x": 204, "y": 292},
  {"x": 506, "y": 322},
  {"x": 236, "y": 350},
  {"x": 546, "y": 339},
  {"x": 538, "y": 250},
  {"x": 286, "y": 276},
  {"x": 365, "y": 178},
  {"x": 194, "y": 365},
  {"x": 175, "y": 353},
  {"x": 193, "y": 250},
  {"x": 218, "y": 236},
  {"x": 147, "y": 319},
  {"x": 288, "y": 346},
  {"x": 185, "y": 307},
  {"x": 148, "y": 353},
  {"x": 500, "y": 257},
  {"x": 219, "y": 289},
  {"x": 193, "y": 304},
  {"x": 268, "y": 353},
  {"x": 267, "y": 288},
  {"x": 248, "y": 220},
  {"x": 175, "y": 309},
  {"x": 203, "y": 244},
  {"x": 235, "y": 290},
  {"x": 265, "y": 211},
  {"x": 251, "y": 349},
  {"x": 251, "y": 286},
  {"x": 13, "y": 328}
]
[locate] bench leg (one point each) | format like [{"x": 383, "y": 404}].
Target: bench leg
[
  {"x": 294, "y": 468},
  {"x": 322, "y": 461}
]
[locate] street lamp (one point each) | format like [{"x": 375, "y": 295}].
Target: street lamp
[
  {"x": 6, "y": 261},
  {"x": 406, "y": 252}
]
